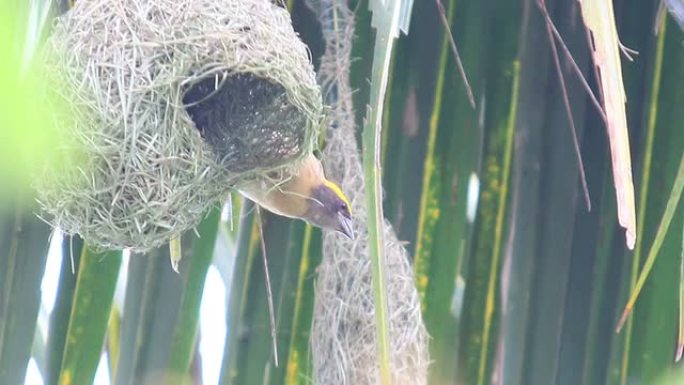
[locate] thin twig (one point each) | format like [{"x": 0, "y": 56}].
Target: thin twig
[
  {"x": 271, "y": 311},
  {"x": 230, "y": 211},
  {"x": 454, "y": 50},
  {"x": 566, "y": 103},
  {"x": 71, "y": 255},
  {"x": 627, "y": 52},
  {"x": 680, "y": 334},
  {"x": 575, "y": 67}
]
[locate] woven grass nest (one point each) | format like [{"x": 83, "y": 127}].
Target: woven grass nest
[{"x": 166, "y": 106}]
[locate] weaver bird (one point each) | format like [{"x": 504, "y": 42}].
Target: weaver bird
[{"x": 306, "y": 195}]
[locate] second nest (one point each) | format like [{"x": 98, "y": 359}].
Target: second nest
[{"x": 165, "y": 106}]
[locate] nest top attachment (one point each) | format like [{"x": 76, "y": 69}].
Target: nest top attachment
[{"x": 166, "y": 106}]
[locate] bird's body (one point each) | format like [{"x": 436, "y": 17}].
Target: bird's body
[
  {"x": 289, "y": 198},
  {"x": 307, "y": 195}
]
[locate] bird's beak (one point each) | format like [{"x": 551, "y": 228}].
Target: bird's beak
[{"x": 344, "y": 226}]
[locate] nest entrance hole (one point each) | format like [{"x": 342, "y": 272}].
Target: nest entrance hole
[{"x": 248, "y": 121}]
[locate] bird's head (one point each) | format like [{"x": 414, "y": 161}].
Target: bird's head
[
  {"x": 329, "y": 208},
  {"x": 307, "y": 195}
]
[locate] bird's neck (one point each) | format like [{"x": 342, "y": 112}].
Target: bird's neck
[{"x": 290, "y": 197}]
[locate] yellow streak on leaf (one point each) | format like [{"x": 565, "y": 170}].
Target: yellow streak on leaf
[
  {"x": 293, "y": 367},
  {"x": 65, "y": 378}
]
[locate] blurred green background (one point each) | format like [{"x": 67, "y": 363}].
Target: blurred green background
[{"x": 526, "y": 292}]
